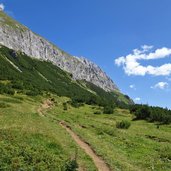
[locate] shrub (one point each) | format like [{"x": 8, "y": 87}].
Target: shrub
[
  {"x": 75, "y": 103},
  {"x": 21, "y": 156},
  {"x": 70, "y": 165},
  {"x": 151, "y": 113},
  {"x": 3, "y": 105},
  {"x": 33, "y": 93},
  {"x": 65, "y": 106},
  {"x": 9, "y": 91},
  {"x": 165, "y": 153},
  {"x": 124, "y": 124},
  {"x": 97, "y": 112},
  {"x": 108, "y": 110},
  {"x": 53, "y": 99},
  {"x": 17, "y": 85},
  {"x": 143, "y": 112}
]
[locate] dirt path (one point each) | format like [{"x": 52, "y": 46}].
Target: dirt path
[
  {"x": 100, "y": 164},
  {"x": 45, "y": 105}
]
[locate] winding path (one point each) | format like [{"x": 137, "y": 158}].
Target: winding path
[
  {"x": 98, "y": 161},
  {"x": 44, "y": 105}
]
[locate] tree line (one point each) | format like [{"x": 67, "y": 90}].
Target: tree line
[{"x": 151, "y": 113}]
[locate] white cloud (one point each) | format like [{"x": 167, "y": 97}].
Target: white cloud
[
  {"x": 2, "y": 7},
  {"x": 137, "y": 99},
  {"x": 132, "y": 66},
  {"x": 132, "y": 86},
  {"x": 161, "y": 85},
  {"x": 146, "y": 48}
]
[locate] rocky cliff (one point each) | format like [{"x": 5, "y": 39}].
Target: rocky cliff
[{"x": 18, "y": 37}]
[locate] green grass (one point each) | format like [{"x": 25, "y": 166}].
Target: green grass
[
  {"x": 141, "y": 147},
  {"x": 31, "y": 142}
]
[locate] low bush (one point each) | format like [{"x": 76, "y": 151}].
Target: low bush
[
  {"x": 9, "y": 91},
  {"x": 3, "y": 105},
  {"x": 151, "y": 113},
  {"x": 97, "y": 112},
  {"x": 108, "y": 110},
  {"x": 165, "y": 153},
  {"x": 65, "y": 107},
  {"x": 6, "y": 89},
  {"x": 33, "y": 93},
  {"x": 25, "y": 157},
  {"x": 70, "y": 165},
  {"x": 124, "y": 124},
  {"x": 76, "y": 104}
]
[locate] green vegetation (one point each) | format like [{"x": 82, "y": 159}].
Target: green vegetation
[
  {"x": 141, "y": 147},
  {"x": 108, "y": 109},
  {"x": 65, "y": 106},
  {"x": 22, "y": 74},
  {"x": 29, "y": 141},
  {"x": 25, "y": 136},
  {"x": 70, "y": 165},
  {"x": 150, "y": 113},
  {"x": 34, "y": 140},
  {"x": 6, "y": 89},
  {"x": 124, "y": 124},
  {"x": 3, "y": 105}
]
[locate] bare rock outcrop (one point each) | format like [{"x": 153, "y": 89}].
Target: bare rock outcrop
[{"x": 18, "y": 37}]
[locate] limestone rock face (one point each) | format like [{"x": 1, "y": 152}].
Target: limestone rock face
[{"x": 18, "y": 37}]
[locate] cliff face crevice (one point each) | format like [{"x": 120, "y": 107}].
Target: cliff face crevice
[{"x": 16, "y": 36}]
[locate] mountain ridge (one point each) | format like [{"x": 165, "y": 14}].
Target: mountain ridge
[
  {"x": 18, "y": 37},
  {"x": 20, "y": 73}
]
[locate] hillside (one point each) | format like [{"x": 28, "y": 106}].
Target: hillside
[
  {"x": 22, "y": 74},
  {"x": 34, "y": 140},
  {"x": 18, "y": 37},
  {"x": 59, "y": 112},
  {"x": 36, "y": 97}
]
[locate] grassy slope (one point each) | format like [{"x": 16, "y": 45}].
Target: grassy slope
[
  {"x": 30, "y": 141},
  {"x": 141, "y": 147},
  {"x": 25, "y": 136},
  {"x": 23, "y": 132}
]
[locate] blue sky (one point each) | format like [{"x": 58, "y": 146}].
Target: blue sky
[{"x": 105, "y": 30}]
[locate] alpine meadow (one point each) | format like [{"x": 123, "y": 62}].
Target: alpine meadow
[{"x": 59, "y": 112}]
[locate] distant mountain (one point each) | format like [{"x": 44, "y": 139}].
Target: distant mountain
[{"x": 18, "y": 37}]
